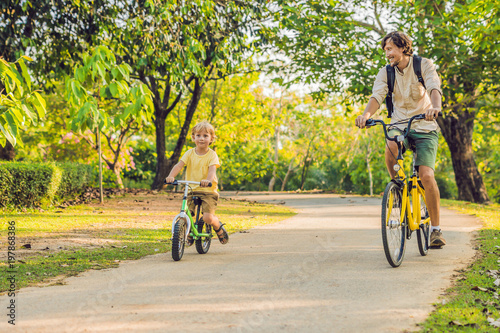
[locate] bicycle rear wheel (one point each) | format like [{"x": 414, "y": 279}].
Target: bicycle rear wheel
[
  {"x": 179, "y": 239},
  {"x": 424, "y": 232},
  {"x": 203, "y": 244},
  {"x": 393, "y": 229}
]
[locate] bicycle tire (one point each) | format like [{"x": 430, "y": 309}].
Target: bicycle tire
[
  {"x": 424, "y": 232},
  {"x": 203, "y": 244},
  {"x": 393, "y": 229},
  {"x": 179, "y": 239}
]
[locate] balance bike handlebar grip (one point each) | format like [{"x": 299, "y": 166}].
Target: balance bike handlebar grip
[{"x": 175, "y": 183}]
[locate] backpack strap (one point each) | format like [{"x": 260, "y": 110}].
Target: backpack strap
[
  {"x": 417, "y": 68},
  {"x": 391, "y": 77}
]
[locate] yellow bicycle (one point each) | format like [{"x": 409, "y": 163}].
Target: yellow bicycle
[{"x": 404, "y": 208}]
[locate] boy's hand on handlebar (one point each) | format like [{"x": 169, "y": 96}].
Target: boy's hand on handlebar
[
  {"x": 432, "y": 113},
  {"x": 361, "y": 121},
  {"x": 169, "y": 180},
  {"x": 205, "y": 183}
]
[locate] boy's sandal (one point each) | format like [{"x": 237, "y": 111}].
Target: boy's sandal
[
  {"x": 189, "y": 240},
  {"x": 224, "y": 238}
]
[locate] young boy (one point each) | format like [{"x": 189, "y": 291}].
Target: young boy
[{"x": 202, "y": 163}]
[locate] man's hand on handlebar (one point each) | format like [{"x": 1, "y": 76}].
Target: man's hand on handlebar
[
  {"x": 432, "y": 113},
  {"x": 169, "y": 180},
  {"x": 361, "y": 121}
]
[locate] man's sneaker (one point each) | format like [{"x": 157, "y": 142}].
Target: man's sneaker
[{"x": 437, "y": 240}]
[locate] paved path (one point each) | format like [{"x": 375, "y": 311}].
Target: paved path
[{"x": 323, "y": 270}]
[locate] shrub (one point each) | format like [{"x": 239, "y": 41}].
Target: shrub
[
  {"x": 75, "y": 178},
  {"x": 35, "y": 184}
]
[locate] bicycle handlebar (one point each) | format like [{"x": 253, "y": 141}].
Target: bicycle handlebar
[
  {"x": 185, "y": 182},
  {"x": 373, "y": 122}
]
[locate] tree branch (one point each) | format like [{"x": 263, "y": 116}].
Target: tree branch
[
  {"x": 381, "y": 32},
  {"x": 377, "y": 18}
]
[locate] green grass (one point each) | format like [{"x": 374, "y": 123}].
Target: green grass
[
  {"x": 111, "y": 233},
  {"x": 465, "y": 309}
]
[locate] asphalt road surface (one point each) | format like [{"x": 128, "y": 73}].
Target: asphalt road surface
[{"x": 323, "y": 270}]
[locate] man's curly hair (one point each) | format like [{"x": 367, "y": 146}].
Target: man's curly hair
[{"x": 401, "y": 40}]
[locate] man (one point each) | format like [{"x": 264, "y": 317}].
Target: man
[{"x": 411, "y": 98}]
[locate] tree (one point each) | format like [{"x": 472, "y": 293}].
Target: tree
[
  {"x": 239, "y": 113},
  {"x": 99, "y": 79},
  {"x": 336, "y": 44},
  {"x": 466, "y": 48},
  {"x": 20, "y": 104},
  {"x": 54, "y": 32},
  {"x": 175, "y": 47}
]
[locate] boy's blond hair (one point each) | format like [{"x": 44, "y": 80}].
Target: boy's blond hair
[{"x": 204, "y": 126}]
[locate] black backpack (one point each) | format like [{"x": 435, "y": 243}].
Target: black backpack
[{"x": 391, "y": 78}]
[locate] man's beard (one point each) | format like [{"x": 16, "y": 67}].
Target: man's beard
[{"x": 396, "y": 62}]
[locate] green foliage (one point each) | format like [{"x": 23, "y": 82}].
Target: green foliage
[
  {"x": 143, "y": 159},
  {"x": 487, "y": 145},
  {"x": 35, "y": 184},
  {"x": 75, "y": 178},
  {"x": 101, "y": 78},
  {"x": 20, "y": 104},
  {"x": 6, "y": 182},
  {"x": 329, "y": 44},
  {"x": 236, "y": 173},
  {"x": 464, "y": 303},
  {"x": 336, "y": 48}
]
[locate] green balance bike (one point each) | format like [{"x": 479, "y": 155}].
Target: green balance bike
[{"x": 185, "y": 229}]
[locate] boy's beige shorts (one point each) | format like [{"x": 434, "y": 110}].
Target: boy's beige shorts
[{"x": 208, "y": 201}]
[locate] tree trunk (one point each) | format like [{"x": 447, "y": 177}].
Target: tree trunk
[
  {"x": 306, "y": 163},
  {"x": 101, "y": 196},
  {"x": 119, "y": 181},
  {"x": 368, "y": 164},
  {"x": 457, "y": 130},
  {"x": 305, "y": 169},
  {"x": 288, "y": 174},
  {"x": 276, "y": 159},
  {"x": 161, "y": 162},
  {"x": 7, "y": 153},
  {"x": 163, "y": 166},
  {"x": 370, "y": 175}
]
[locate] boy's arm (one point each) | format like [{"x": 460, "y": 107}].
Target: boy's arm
[
  {"x": 174, "y": 172},
  {"x": 210, "y": 176}
]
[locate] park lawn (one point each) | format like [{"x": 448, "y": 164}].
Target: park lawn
[
  {"x": 67, "y": 241},
  {"x": 475, "y": 296}
]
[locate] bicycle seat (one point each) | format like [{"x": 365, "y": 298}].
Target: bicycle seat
[{"x": 196, "y": 201}]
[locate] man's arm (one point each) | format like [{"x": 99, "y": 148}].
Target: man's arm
[
  {"x": 433, "y": 112},
  {"x": 370, "y": 110}
]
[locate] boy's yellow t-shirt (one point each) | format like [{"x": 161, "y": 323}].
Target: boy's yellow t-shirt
[{"x": 197, "y": 168}]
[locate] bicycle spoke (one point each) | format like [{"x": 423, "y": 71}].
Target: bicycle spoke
[{"x": 393, "y": 229}]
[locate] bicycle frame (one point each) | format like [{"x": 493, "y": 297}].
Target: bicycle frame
[
  {"x": 409, "y": 210},
  {"x": 186, "y": 214}
]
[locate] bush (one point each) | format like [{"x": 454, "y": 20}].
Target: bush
[
  {"x": 36, "y": 184},
  {"x": 75, "y": 178},
  {"x": 5, "y": 185},
  {"x": 447, "y": 188}
]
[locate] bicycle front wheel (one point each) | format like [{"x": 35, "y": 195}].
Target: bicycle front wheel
[
  {"x": 393, "y": 228},
  {"x": 179, "y": 239},
  {"x": 203, "y": 244}
]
